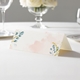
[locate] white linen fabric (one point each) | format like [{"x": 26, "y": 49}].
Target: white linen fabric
[{"x": 17, "y": 65}]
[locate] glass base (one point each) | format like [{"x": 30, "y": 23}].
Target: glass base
[
  {"x": 5, "y": 33},
  {"x": 39, "y": 25}
]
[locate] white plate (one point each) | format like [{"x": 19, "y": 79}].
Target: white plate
[
  {"x": 74, "y": 37},
  {"x": 10, "y": 34}
]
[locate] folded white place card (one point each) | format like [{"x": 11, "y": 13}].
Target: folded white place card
[{"x": 40, "y": 41}]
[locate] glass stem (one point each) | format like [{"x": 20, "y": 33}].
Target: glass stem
[
  {"x": 3, "y": 18},
  {"x": 38, "y": 19}
]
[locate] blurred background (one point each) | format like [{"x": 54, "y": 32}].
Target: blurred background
[{"x": 66, "y": 11}]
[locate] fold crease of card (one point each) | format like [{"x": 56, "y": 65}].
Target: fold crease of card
[{"x": 40, "y": 42}]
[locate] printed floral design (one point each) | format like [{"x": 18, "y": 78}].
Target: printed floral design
[
  {"x": 46, "y": 45},
  {"x": 17, "y": 35},
  {"x": 54, "y": 49}
]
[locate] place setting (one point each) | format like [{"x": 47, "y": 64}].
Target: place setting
[
  {"x": 37, "y": 38},
  {"x": 39, "y": 50}
]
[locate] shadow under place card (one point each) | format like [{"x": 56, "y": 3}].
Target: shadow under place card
[{"x": 39, "y": 41}]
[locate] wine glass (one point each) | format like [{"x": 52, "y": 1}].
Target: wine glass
[
  {"x": 78, "y": 16},
  {"x": 4, "y": 5},
  {"x": 76, "y": 36}
]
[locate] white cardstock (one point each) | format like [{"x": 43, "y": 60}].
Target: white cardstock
[{"x": 39, "y": 41}]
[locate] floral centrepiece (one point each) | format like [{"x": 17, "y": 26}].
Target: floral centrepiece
[
  {"x": 38, "y": 8},
  {"x": 38, "y": 3}
]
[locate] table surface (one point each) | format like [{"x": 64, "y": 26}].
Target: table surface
[
  {"x": 66, "y": 27},
  {"x": 18, "y": 65}
]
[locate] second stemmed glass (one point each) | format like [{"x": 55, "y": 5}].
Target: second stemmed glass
[
  {"x": 78, "y": 16},
  {"x": 4, "y": 5}
]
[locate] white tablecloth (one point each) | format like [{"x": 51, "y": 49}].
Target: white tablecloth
[{"x": 18, "y": 65}]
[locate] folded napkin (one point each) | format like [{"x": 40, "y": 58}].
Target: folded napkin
[{"x": 39, "y": 41}]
